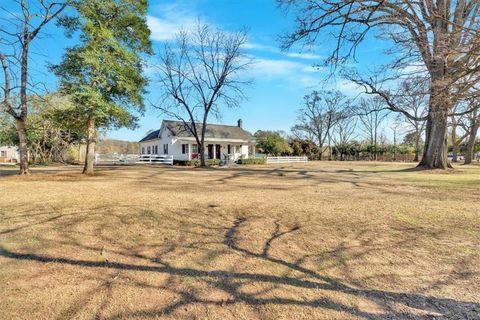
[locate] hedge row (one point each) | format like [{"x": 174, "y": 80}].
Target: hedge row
[
  {"x": 252, "y": 161},
  {"x": 216, "y": 162},
  {"x": 196, "y": 162}
]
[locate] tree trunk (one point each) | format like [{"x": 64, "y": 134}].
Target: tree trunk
[
  {"x": 90, "y": 153},
  {"x": 471, "y": 141},
  {"x": 435, "y": 150},
  {"x": 22, "y": 148},
  {"x": 417, "y": 144},
  {"x": 202, "y": 155},
  {"x": 454, "y": 152}
]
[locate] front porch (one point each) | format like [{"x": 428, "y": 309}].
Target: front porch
[{"x": 219, "y": 150}]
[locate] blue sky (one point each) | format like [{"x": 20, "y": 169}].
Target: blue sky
[{"x": 280, "y": 79}]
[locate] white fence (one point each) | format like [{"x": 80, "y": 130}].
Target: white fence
[
  {"x": 155, "y": 158},
  {"x": 286, "y": 159},
  {"x": 115, "y": 158}
]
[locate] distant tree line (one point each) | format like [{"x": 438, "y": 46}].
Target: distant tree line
[
  {"x": 334, "y": 127},
  {"x": 433, "y": 40}
]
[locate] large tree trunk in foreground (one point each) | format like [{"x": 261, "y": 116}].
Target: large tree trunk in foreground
[
  {"x": 90, "y": 153},
  {"x": 202, "y": 155},
  {"x": 471, "y": 141},
  {"x": 435, "y": 150},
  {"x": 22, "y": 147}
]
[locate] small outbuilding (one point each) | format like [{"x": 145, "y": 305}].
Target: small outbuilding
[{"x": 9, "y": 154}]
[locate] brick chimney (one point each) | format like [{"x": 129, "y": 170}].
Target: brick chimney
[{"x": 240, "y": 123}]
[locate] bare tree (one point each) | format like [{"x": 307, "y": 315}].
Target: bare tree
[
  {"x": 413, "y": 98},
  {"x": 472, "y": 128},
  {"x": 440, "y": 36},
  {"x": 17, "y": 32},
  {"x": 371, "y": 113},
  {"x": 456, "y": 138},
  {"x": 321, "y": 112},
  {"x": 200, "y": 75},
  {"x": 343, "y": 132}
]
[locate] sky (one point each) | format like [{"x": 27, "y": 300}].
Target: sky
[{"x": 280, "y": 79}]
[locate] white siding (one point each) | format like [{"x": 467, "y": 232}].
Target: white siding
[
  {"x": 237, "y": 149},
  {"x": 9, "y": 153},
  {"x": 245, "y": 151}
]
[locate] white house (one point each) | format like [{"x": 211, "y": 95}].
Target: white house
[
  {"x": 221, "y": 142},
  {"x": 9, "y": 154}
]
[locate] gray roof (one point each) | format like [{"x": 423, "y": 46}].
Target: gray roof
[
  {"x": 152, "y": 135},
  {"x": 219, "y": 131}
]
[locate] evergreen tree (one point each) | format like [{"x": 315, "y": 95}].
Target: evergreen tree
[{"x": 103, "y": 73}]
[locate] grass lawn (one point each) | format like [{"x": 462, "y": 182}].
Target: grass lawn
[{"x": 323, "y": 240}]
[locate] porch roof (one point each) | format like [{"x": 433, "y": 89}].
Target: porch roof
[{"x": 217, "y": 141}]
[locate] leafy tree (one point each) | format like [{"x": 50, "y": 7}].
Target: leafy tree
[
  {"x": 22, "y": 28},
  {"x": 50, "y": 134},
  {"x": 304, "y": 147},
  {"x": 8, "y": 132},
  {"x": 413, "y": 139},
  {"x": 103, "y": 74},
  {"x": 272, "y": 143}
]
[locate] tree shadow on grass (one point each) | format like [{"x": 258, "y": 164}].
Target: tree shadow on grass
[{"x": 415, "y": 306}]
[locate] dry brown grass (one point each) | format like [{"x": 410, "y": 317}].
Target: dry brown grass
[{"x": 314, "y": 241}]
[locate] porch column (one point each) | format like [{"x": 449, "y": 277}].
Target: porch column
[
  {"x": 214, "y": 151},
  {"x": 189, "y": 151}
]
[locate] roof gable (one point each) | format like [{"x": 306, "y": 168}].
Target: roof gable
[
  {"x": 213, "y": 131},
  {"x": 219, "y": 131},
  {"x": 151, "y": 136}
]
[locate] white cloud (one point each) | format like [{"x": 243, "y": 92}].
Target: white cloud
[
  {"x": 257, "y": 46},
  {"x": 305, "y": 55},
  {"x": 164, "y": 29},
  {"x": 269, "y": 48},
  {"x": 273, "y": 67},
  {"x": 349, "y": 88},
  {"x": 295, "y": 73}
]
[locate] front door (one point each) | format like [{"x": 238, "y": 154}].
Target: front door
[
  {"x": 218, "y": 151},
  {"x": 210, "y": 151}
]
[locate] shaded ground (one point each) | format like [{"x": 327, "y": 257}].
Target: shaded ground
[{"x": 320, "y": 240}]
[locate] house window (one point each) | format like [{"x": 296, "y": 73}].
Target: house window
[
  {"x": 165, "y": 148},
  {"x": 143, "y": 150},
  {"x": 155, "y": 149},
  {"x": 148, "y": 150},
  {"x": 228, "y": 149},
  {"x": 184, "y": 148},
  {"x": 194, "y": 148},
  {"x": 3, "y": 154}
]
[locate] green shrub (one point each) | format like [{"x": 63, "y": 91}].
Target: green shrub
[
  {"x": 42, "y": 162},
  {"x": 252, "y": 161},
  {"x": 196, "y": 162}
]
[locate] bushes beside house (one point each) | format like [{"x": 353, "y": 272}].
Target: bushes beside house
[
  {"x": 216, "y": 162},
  {"x": 252, "y": 161},
  {"x": 196, "y": 162}
]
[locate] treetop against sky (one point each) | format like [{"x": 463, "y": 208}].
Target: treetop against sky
[{"x": 280, "y": 79}]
